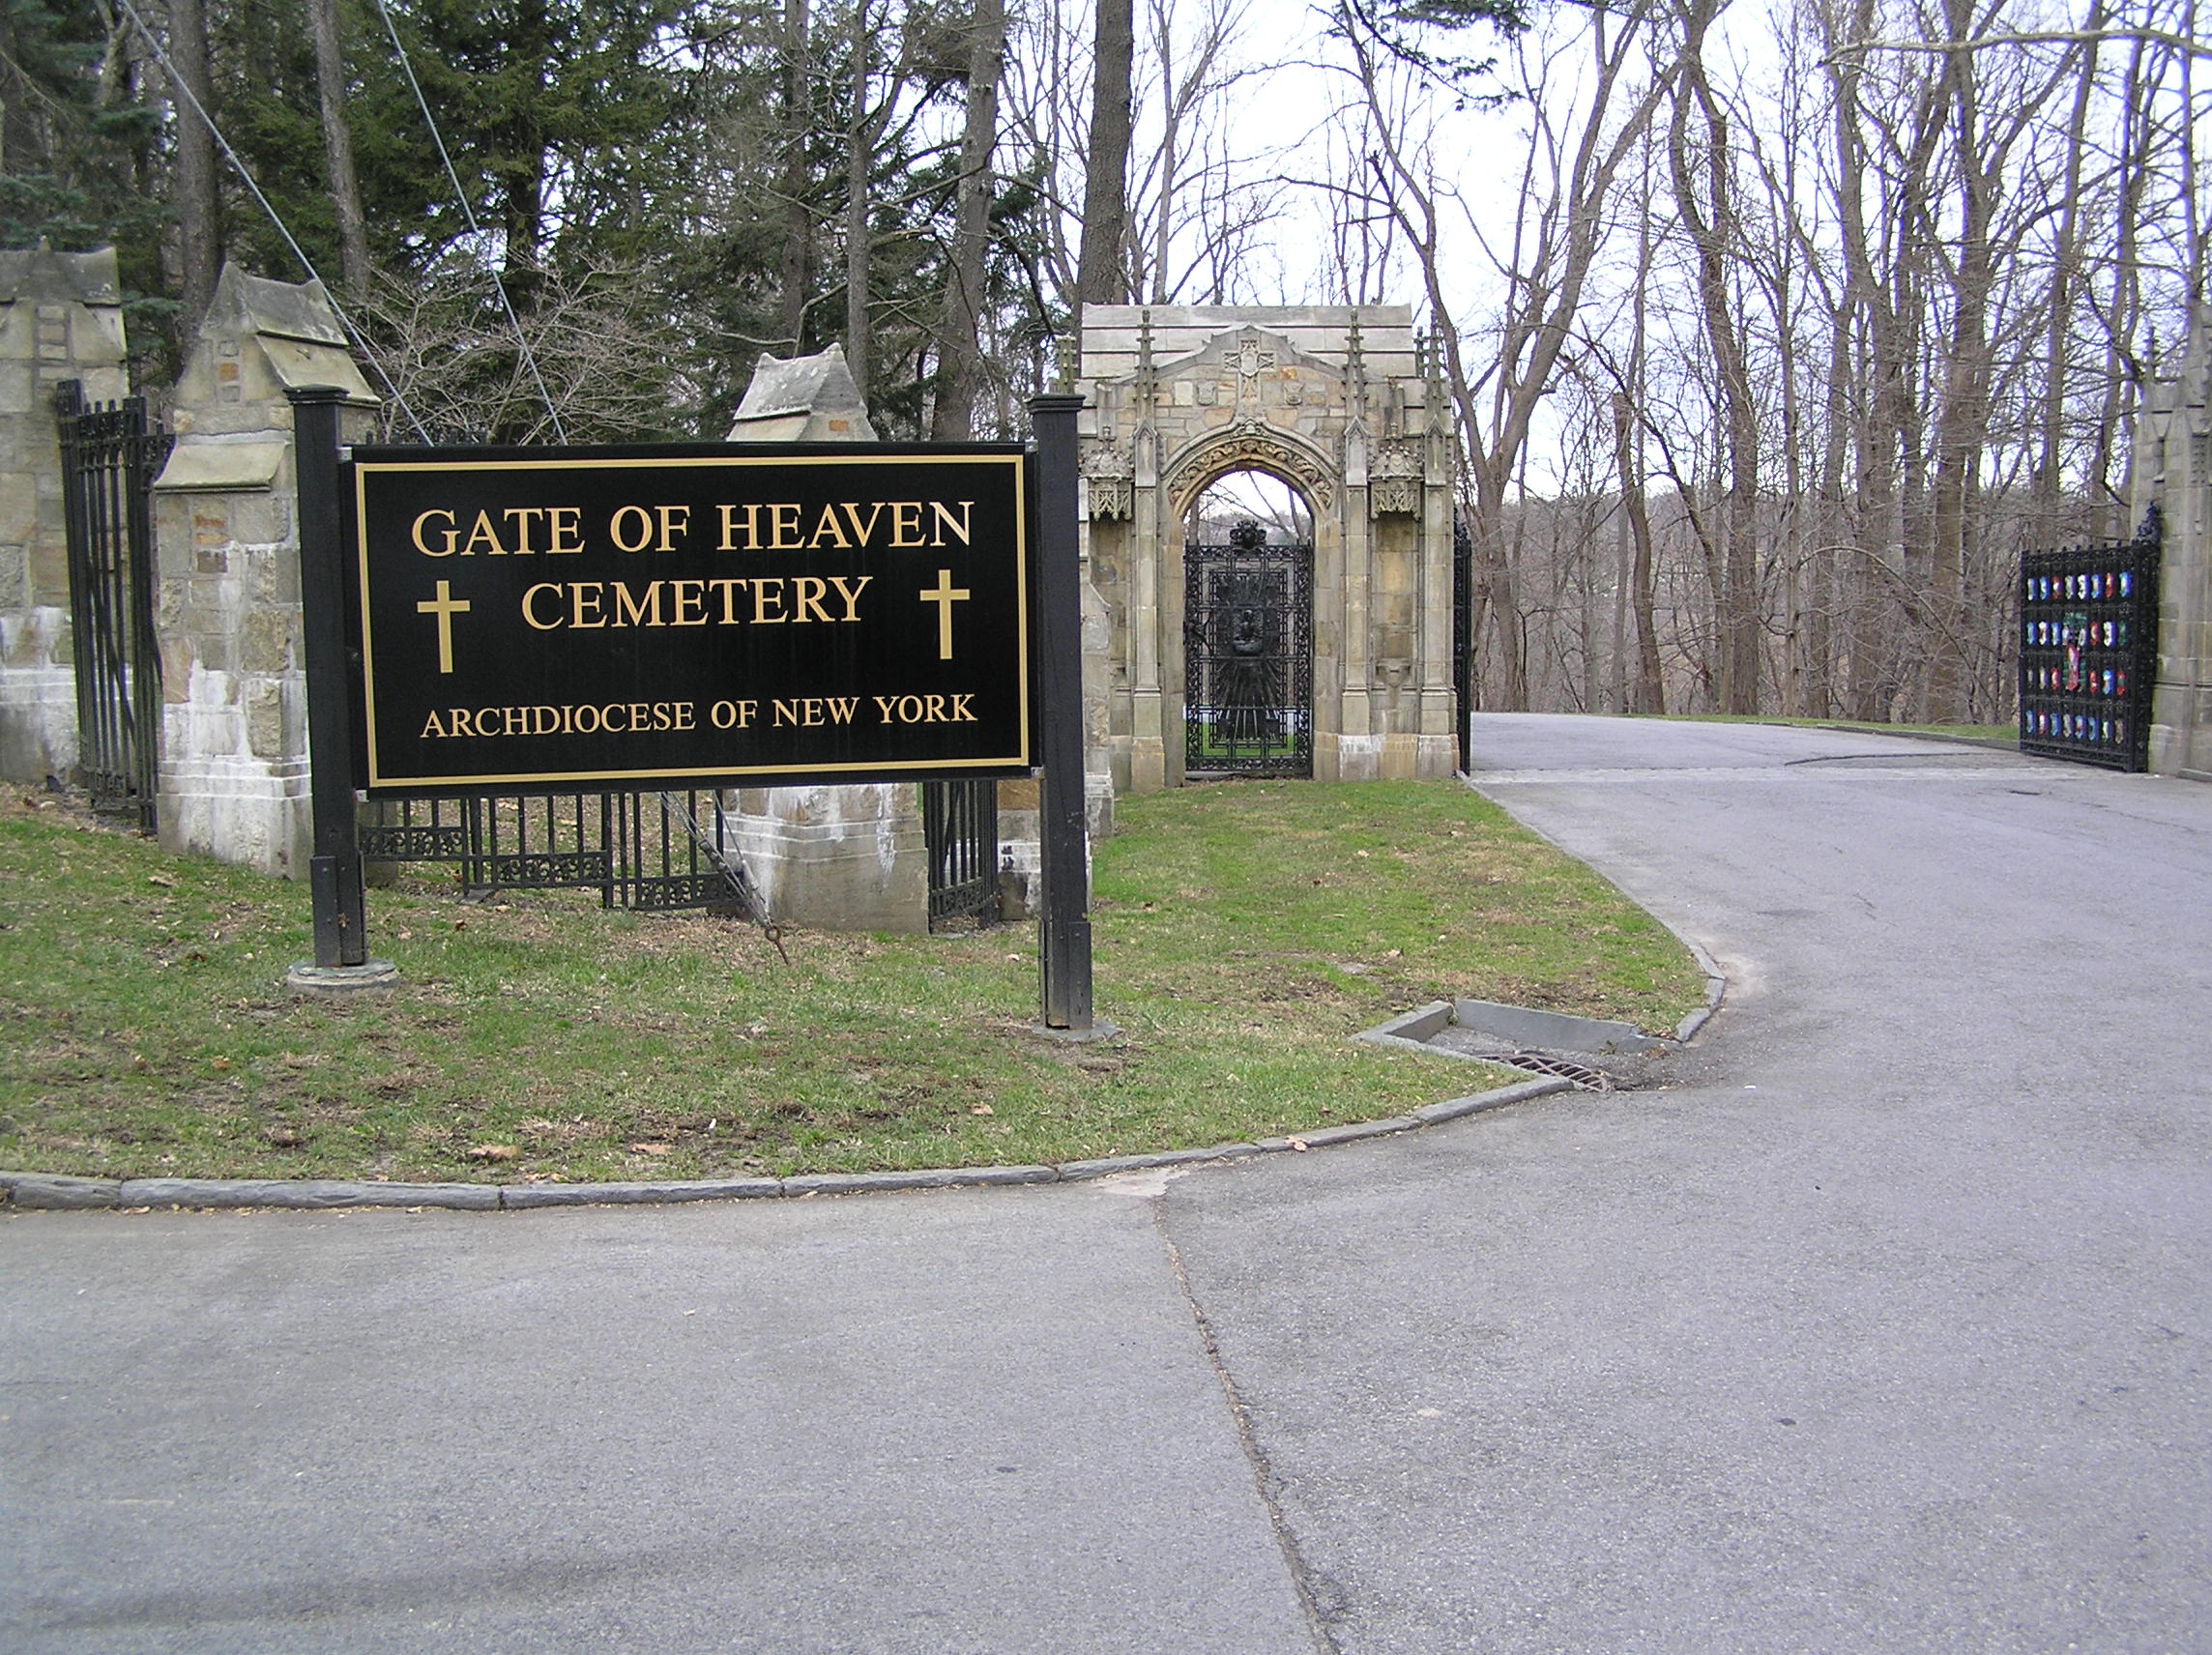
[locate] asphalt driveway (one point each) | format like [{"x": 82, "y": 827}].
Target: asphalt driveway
[{"x": 1882, "y": 1325}]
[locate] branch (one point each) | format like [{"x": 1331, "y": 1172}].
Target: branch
[{"x": 2182, "y": 43}]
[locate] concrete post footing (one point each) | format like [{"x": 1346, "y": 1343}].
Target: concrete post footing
[{"x": 342, "y": 982}]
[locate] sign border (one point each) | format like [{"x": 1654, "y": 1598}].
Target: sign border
[{"x": 359, "y": 461}]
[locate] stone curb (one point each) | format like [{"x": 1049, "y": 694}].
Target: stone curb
[{"x": 56, "y": 1191}]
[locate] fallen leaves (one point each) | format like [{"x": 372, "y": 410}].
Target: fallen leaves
[
  {"x": 496, "y": 1153},
  {"x": 649, "y": 1148}
]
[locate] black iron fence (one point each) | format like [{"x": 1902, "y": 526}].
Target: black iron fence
[
  {"x": 960, "y": 824},
  {"x": 111, "y": 453},
  {"x": 2088, "y": 650},
  {"x": 649, "y": 852}
]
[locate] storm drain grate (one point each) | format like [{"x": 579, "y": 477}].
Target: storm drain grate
[{"x": 1584, "y": 1077}]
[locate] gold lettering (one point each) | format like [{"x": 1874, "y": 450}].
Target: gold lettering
[
  {"x": 674, "y": 520},
  {"x": 462, "y": 725},
  {"x": 730, "y": 528},
  {"x": 944, "y": 520},
  {"x": 564, "y": 528},
  {"x": 783, "y": 528},
  {"x": 522, "y": 546},
  {"x": 809, "y": 596},
  {"x": 631, "y": 613},
  {"x": 764, "y": 592},
  {"x": 482, "y": 533},
  {"x": 785, "y": 711},
  {"x": 530, "y": 615},
  {"x": 827, "y": 525},
  {"x": 729, "y": 590},
  {"x": 687, "y": 716},
  {"x": 852, "y": 513},
  {"x": 852, "y": 597},
  {"x": 450, "y": 535},
  {"x": 961, "y": 715},
  {"x": 690, "y": 600},
  {"x": 906, "y": 523},
  {"x": 842, "y": 707},
  {"x": 576, "y": 611},
  {"x": 644, "y": 527},
  {"x": 936, "y": 713},
  {"x": 432, "y": 727}
]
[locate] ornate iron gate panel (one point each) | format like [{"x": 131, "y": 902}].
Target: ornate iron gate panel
[
  {"x": 111, "y": 453},
  {"x": 648, "y": 852},
  {"x": 2088, "y": 651},
  {"x": 1247, "y": 643},
  {"x": 960, "y": 825}
]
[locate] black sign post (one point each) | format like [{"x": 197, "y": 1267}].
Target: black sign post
[
  {"x": 1065, "y": 853},
  {"x": 341, "y": 963}
]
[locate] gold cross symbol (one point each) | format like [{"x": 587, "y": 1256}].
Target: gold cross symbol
[
  {"x": 944, "y": 597},
  {"x": 444, "y": 608}
]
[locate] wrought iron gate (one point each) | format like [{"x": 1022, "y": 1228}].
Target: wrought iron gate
[
  {"x": 1247, "y": 649},
  {"x": 111, "y": 453},
  {"x": 2088, "y": 650},
  {"x": 960, "y": 824},
  {"x": 648, "y": 852}
]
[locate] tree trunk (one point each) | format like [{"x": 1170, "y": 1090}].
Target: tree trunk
[
  {"x": 1102, "y": 272},
  {"x": 199, "y": 209},
  {"x": 859, "y": 150},
  {"x": 520, "y": 165},
  {"x": 337, "y": 147},
  {"x": 797, "y": 219},
  {"x": 1717, "y": 238},
  {"x": 960, "y": 346}
]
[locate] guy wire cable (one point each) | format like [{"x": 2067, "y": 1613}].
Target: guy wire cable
[
  {"x": 360, "y": 343},
  {"x": 468, "y": 212}
]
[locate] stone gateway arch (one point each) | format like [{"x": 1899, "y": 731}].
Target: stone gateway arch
[{"x": 1323, "y": 649}]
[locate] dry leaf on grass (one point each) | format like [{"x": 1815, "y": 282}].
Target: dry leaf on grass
[
  {"x": 495, "y": 1152},
  {"x": 649, "y": 1148}
]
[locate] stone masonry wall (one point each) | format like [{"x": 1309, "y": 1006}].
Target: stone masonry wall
[
  {"x": 61, "y": 318},
  {"x": 234, "y": 754},
  {"x": 2171, "y": 465}
]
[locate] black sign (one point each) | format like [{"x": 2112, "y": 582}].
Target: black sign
[{"x": 558, "y": 617}]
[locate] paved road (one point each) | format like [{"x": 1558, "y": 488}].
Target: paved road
[{"x": 1883, "y": 1328}]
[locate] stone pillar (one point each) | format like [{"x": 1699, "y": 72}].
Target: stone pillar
[
  {"x": 2171, "y": 466},
  {"x": 1436, "y": 740},
  {"x": 234, "y": 749},
  {"x": 839, "y": 857},
  {"x": 61, "y": 318}
]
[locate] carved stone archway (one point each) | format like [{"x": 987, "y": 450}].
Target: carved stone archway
[{"x": 1338, "y": 402}]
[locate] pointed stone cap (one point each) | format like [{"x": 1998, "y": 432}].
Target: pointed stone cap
[
  {"x": 803, "y": 399},
  {"x": 245, "y": 304},
  {"x": 42, "y": 274}
]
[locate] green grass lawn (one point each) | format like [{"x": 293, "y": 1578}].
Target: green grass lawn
[{"x": 1243, "y": 932}]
